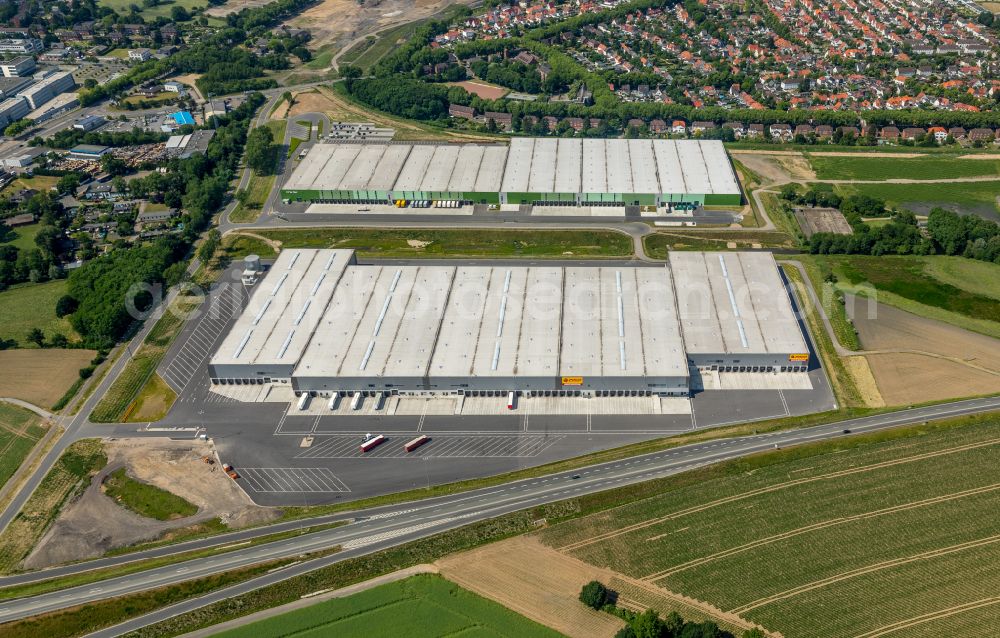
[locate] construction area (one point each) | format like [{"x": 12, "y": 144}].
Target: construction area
[
  {"x": 321, "y": 324},
  {"x": 662, "y": 174}
]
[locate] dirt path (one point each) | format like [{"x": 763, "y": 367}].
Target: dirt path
[
  {"x": 272, "y": 243},
  {"x": 771, "y": 488}
]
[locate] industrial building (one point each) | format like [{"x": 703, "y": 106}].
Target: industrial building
[
  {"x": 18, "y": 67},
  {"x": 325, "y": 324},
  {"x": 47, "y": 88},
  {"x": 13, "y": 109},
  {"x": 535, "y": 171}
]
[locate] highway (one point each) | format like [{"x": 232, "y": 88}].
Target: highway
[{"x": 380, "y": 528}]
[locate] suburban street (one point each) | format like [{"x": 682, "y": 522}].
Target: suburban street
[{"x": 379, "y": 528}]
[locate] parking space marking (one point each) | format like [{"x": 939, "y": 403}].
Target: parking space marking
[
  {"x": 440, "y": 446},
  {"x": 282, "y": 480},
  {"x": 184, "y": 365}
]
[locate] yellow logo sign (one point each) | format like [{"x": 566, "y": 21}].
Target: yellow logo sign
[
  {"x": 572, "y": 380},
  {"x": 799, "y": 357}
]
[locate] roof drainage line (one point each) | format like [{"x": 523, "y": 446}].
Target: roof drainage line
[
  {"x": 520, "y": 325},
  {"x": 421, "y": 271},
  {"x": 562, "y": 316},
  {"x": 357, "y": 324},
  {"x": 479, "y": 332},
  {"x": 440, "y": 325}
]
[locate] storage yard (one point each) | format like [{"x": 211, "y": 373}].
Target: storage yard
[
  {"x": 677, "y": 174},
  {"x": 331, "y": 327}
]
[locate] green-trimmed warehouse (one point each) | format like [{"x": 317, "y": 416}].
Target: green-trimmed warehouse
[{"x": 537, "y": 171}]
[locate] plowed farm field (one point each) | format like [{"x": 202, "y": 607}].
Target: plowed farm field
[{"x": 880, "y": 538}]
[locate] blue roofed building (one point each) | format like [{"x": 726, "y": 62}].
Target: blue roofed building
[{"x": 183, "y": 117}]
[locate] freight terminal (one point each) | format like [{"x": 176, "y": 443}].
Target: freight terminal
[
  {"x": 672, "y": 174},
  {"x": 326, "y": 325}
]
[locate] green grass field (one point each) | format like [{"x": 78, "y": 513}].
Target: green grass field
[
  {"x": 835, "y": 543},
  {"x": 960, "y": 291},
  {"x": 145, "y": 499},
  {"x": 977, "y": 197},
  {"x": 870, "y": 168},
  {"x": 23, "y": 237},
  {"x": 456, "y": 243},
  {"x": 30, "y": 306},
  {"x": 20, "y": 430},
  {"x": 150, "y": 13},
  {"x": 418, "y": 607}
]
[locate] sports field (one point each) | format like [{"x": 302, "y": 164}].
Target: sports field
[
  {"x": 422, "y": 606},
  {"x": 931, "y": 167},
  {"x": 896, "y": 536}
]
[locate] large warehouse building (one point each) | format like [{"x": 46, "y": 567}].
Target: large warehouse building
[
  {"x": 537, "y": 171},
  {"x": 325, "y": 324}
]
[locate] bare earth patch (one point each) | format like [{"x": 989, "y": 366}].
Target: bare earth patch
[
  {"x": 822, "y": 220},
  {"x": 777, "y": 166},
  {"x": 40, "y": 376},
  {"x": 535, "y": 581},
  {"x": 94, "y": 523},
  {"x": 962, "y": 367},
  {"x": 483, "y": 90}
]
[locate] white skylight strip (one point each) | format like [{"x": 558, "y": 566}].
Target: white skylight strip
[
  {"x": 317, "y": 284},
  {"x": 329, "y": 262},
  {"x": 243, "y": 344},
  {"x": 284, "y": 346},
  {"x": 295, "y": 258},
  {"x": 278, "y": 285},
  {"x": 302, "y": 313},
  {"x": 260, "y": 314},
  {"x": 368, "y": 354}
]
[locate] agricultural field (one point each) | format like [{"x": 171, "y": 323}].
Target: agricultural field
[
  {"x": 20, "y": 430},
  {"x": 977, "y": 198},
  {"x": 877, "y": 168},
  {"x": 949, "y": 291},
  {"x": 841, "y": 539},
  {"x": 414, "y": 243},
  {"x": 30, "y": 306},
  {"x": 41, "y": 377},
  {"x": 420, "y": 606}
]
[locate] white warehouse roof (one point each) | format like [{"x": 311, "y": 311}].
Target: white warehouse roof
[{"x": 527, "y": 165}]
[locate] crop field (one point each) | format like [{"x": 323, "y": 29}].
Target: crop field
[
  {"x": 20, "y": 430},
  {"x": 418, "y": 607},
  {"x": 874, "y": 168},
  {"x": 961, "y": 197},
  {"x": 41, "y": 377},
  {"x": 852, "y": 542}
]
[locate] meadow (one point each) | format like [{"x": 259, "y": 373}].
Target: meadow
[
  {"x": 841, "y": 543},
  {"x": 963, "y": 197},
  {"x": 421, "y": 606},
  {"x": 149, "y": 13},
  {"x": 28, "y": 306},
  {"x": 876, "y": 168}
]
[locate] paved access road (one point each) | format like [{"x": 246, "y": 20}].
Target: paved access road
[{"x": 379, "y": 528}]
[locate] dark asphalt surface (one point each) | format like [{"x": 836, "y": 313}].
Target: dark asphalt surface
[{"x": 379, "y": 528}]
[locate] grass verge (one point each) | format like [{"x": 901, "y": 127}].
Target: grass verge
[
  {"x": 145, "y": 499},
  {"x": 410, "y": 243},
  {"x": 660, "y": 243},
  {"x": 67, "y": 478},
  {"x": 259, "y": 187},
  {"x": 97, "y": 575},
  {"x": 120, "y": 401}
]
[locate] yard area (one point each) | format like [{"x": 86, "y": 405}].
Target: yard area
[
  {"x": 421, "y": 606},
  {"x": 873, "y": 168},
  {"x": 28, "y": 306},
  {"x": 962, "y": 197},
  {"x": 836, "y": 539},
  {"x": 20, "y": 430},
  {"x": 450, "y": 243}
]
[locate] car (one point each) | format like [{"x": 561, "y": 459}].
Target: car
[
  {"x": 575, "y": 476},
  {"x": 846, "y": 431}
]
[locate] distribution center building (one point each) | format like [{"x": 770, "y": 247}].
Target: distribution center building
[
  {"x": 537, "y": 171},
  {"x": 325, "y": 324}
]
